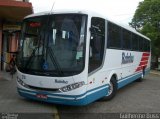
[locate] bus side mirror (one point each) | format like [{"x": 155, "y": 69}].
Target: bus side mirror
[
  {"x": 91, "y": 29},
  {"x": 95, "y": 29}
]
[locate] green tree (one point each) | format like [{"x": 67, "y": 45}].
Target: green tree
[{"x": 147, "y": 21}]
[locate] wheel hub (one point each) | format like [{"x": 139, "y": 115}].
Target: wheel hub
[{"x": 110, "y": 88}]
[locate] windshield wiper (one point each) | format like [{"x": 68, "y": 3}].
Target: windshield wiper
[
  {"x": 54, "y": 61},
  {"x": 33, "y": 53},
  {"x": 31, "y": 57}
]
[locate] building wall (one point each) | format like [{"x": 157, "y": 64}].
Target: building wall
[
  {"x": 0, "y": 41},
  {"x": 10, "y": 28},
  {"x": 9, "y": 47},
  {"x": 14, "y": 42}
]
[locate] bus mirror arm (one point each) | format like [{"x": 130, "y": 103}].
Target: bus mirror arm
[
  {"x": 91, "y": 29},
  {"x": 94, "y": 29}
]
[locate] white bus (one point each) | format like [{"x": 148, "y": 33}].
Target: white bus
[{"x": 77, "y": 57}]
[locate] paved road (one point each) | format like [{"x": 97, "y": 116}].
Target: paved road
[
  {"x": 136, "y": 97},
  {"x": 10, "y": 101}
]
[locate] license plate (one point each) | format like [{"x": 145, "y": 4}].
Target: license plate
[{"x": 42, "y": 96}]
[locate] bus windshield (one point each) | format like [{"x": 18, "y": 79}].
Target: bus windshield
[{"x": 53, "y": 45}]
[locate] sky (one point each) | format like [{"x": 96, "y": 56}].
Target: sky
[{"x": 120, "y": 11}]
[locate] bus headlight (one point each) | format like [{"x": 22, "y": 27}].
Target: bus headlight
[
  {"x": 72, "y": 86},
  {"x": 21, "y": 82}
]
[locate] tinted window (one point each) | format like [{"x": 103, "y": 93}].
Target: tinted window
[
  {"x": 141, "y": 45},
  {"x": 144, "y": 45},
  {"x": 126, "y": 35},
  {"x": 148, "y": 45},
  {"x": 114, "y": 36},
  {"x": 135, "y": 43}
]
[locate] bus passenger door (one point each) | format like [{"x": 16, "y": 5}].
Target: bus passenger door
[
  {"x": 97, "y": 42},
  {"x": 96, "y": 52}
]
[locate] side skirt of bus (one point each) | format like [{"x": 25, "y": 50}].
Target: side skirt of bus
[{"x": 131, "y": 78}]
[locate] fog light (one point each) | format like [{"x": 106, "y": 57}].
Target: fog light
[{"x": 21, "y": 82}]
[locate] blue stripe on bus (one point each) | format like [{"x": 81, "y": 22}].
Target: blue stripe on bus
[
  {"x": 128, "y": 80},
  {"x": 131, "y": 78},
  {"x": 83, "y": 99},
  {"x": 127, "y": 77}
]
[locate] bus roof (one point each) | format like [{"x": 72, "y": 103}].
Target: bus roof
[{"x": 88, "y": 12}]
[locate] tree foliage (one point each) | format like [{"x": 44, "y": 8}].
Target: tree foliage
[{"x": 147, "y": 21}]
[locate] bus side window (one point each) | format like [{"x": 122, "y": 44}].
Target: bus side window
[{"x": 97, "y": 42}]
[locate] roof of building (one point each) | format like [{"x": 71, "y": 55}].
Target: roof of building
[{"x": 14, "y": 10}]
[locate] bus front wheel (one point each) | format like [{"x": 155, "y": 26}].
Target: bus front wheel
[{"x": 112, "y": 89}]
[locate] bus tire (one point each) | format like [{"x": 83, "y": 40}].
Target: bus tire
[
  {"x": 142, "y": 76},
  {"x": 112, "y": 89}
]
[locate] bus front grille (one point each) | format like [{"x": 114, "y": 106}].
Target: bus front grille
[{"x": 43, "y": 89}]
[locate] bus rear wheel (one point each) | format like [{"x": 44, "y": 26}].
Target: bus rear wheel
[
  {"x": 142, "y": 76},
  {"x": 112, "y": 89}
]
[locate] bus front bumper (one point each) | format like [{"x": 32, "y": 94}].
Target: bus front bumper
[{"x": 83, "y": 99}]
